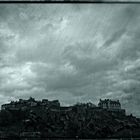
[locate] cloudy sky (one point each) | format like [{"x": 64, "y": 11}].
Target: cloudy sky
[{"x": 71, "y": 52}]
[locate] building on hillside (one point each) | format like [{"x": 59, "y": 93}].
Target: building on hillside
[
  {"x": 44, "y": 102},
  {"x": 109, "y": 104},
  {"x": 5, "y": 106},
  {"x": 54, "y": 103},
  {"x": 31, "y": 102},
  {"x": 112, "y": 106},
  {"x": 21, "y": 104},
  {"x": 9, "y": 106}
]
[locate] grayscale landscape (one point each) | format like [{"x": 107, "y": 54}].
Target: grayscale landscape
[{"x": 82, "y": 58}]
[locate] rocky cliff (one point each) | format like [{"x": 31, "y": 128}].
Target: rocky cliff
[{"x": 81, "y": 120}]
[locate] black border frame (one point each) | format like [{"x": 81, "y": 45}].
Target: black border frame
[{"x": 69, "y": 2}]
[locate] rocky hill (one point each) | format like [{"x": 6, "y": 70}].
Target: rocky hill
[{"x": 51, "y": 120}]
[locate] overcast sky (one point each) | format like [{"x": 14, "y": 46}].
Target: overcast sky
[{"x": 71, "y": 52}]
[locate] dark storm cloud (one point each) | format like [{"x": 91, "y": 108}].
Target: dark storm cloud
[{"x": 70, "y": 52}]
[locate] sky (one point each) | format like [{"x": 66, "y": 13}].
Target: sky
[{"x": 71, "y": 52}]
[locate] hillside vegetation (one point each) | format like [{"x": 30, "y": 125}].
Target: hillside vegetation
[{"x": 81, "y": 120}]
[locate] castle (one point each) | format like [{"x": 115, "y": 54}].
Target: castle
[
  {"x": 111, "y": 105},
  {"x": 31, "y": 102},
  {"x": 107, "y": 104},
  {"x": 44, "y": 118}
]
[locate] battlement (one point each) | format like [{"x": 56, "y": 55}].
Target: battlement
[
  {"x": 110, "y": 105},
  {"x": 31, "y": 102}
]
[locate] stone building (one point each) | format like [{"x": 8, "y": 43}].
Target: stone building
[
  {"x": 29, "y": 103},
  {"x": 112, "y": 106},
  {"x": 109, "y": 104}
]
